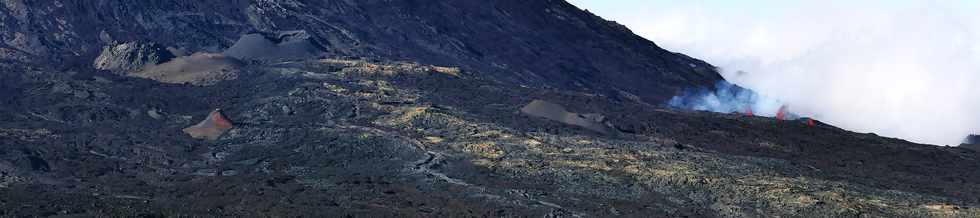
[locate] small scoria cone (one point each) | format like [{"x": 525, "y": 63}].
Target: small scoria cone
[{"x": 211, "y": 128}]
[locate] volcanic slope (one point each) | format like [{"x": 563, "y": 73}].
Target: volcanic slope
[
  {"x": 372, "y": 138},
  {"x": 539, "y": 43}
]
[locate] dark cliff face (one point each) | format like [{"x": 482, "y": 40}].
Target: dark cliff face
[
  {"x": 540, "y": 43},
  {"x": 971, "y": 142}
]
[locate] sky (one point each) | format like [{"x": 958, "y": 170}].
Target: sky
[{"x": 902, "y": 68}]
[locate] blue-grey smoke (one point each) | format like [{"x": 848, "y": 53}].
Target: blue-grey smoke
[{"x": 727, "y": 98}]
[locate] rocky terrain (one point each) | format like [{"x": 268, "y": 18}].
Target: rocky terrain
[{"x": 406, "y": 108}]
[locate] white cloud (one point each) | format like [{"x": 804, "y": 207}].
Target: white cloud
[{"x": 908, "y": 70}]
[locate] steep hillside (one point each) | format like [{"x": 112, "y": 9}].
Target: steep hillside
[{"x": 546, "y": 43}]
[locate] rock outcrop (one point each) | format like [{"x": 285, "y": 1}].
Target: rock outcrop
[{"x": 131, "y": 56}]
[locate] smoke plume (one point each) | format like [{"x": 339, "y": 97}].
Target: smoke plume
[
  {"x": 906, "y": 69},
  {"x": 728, "y": 98}
]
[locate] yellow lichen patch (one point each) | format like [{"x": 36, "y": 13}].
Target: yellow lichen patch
[
  {"x": 482, "y": 162},
  {"x": 632, "y": 169},
  {"x": 27, "y": 134},
  {"x": 340, "y": 62},
  {"x": 379, "y": 86},
  {"x": 832, "y": 195},
  {"x": 588, "y": 164},
  {"x": 877, "y": 202},
  {"x": 434, "y": 139},
  {"x": 805, "y": 201},
  {"x": 671, "y": 170},
  {"x": 532, "y": 142},
  {"x": 485, "y": 150},
  {"x": 364, "y": 136},
  {"x": 627, "y": 157},
  {"x": 492, "y": 133},
  {"x": 452, "y": 71},
  {"x": 513, "y": 163},
  {"x": 663, "y": 173},
  {"x": 402, "y": 117},
  {"x": 334, "y": 88},
  {"x": 943, "y": 209}
]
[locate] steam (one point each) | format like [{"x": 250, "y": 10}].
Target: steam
[
  {"x": 728, "y": 98},
  {"x": 907, "y": 69}
]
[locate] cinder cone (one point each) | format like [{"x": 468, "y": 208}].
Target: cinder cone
[{"x": 211, "y": 128}]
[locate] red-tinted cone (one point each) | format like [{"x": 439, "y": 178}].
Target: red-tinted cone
[{"x": 211, "y": 128}]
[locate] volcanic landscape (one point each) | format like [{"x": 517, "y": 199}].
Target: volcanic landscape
[{"x": 371, "y": 108}]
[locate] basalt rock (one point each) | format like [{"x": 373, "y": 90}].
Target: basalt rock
[{"x": 131, "y": 56}]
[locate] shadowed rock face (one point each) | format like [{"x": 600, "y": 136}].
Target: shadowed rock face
[
  {"x": 544, "y": 43},
  {"x": 283, "y": 46},
  {"x": 211, "y": 128},
  {"x": 971, "y": 142}
]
